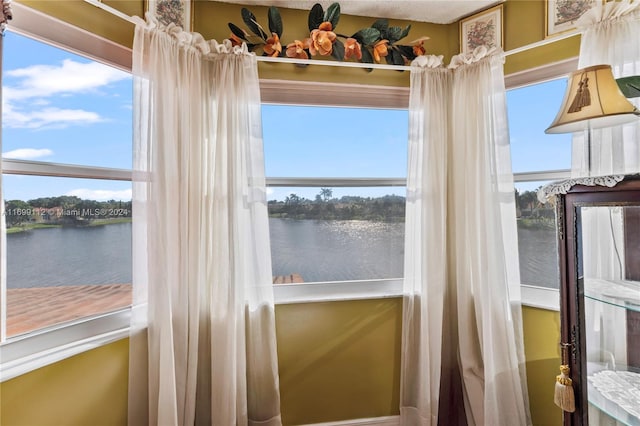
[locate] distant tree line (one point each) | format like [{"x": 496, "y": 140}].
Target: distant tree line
[
  {"x": 389, "y": 208},
  {"x": 72, "y": 210},
  {"x": 63, "y": 210}
]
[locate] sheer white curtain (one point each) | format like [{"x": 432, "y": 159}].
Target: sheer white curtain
[
  {"x": 463, "y": 356},
  {"x": 425, "y": 270},
  {"x": 203, "y": 347},
  {"x": 610, "y": 36}
]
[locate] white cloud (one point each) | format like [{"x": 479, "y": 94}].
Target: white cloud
[
  {"x": 27, "y": 153},
  {"x": 101, "y": 194},
  {"x": 49, "y": 117},
  {"x": 29, "y": 93},
  {"x": 41, "y": 81}
]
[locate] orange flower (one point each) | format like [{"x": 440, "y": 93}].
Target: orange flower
[
  {"x": 322, "y": 39},
  {"x": 273, "y": 46},
  {"x": 297, "y": 49},
  {"x": 326, "y": 26},
  {"x": 380, "y": 50},
  {"x": 352, "y": 49},
  {"x": 418, "y": 48},
  {"x": 235, "y": 40}
]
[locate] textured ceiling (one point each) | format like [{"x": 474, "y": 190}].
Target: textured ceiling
[{"x": 435, "y": 11}]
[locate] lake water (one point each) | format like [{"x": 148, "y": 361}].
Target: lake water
[
  {"x": 69, "y": 256},
  {"x": 318, "y": 250}
]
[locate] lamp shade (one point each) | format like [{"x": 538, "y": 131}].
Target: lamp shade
[{"x": 593, "y": 100}]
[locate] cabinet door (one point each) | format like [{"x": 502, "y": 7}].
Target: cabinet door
[{"x": 609, "y": 304}]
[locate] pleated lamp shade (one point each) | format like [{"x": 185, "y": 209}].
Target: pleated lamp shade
[{"x": 593, "y": 100}]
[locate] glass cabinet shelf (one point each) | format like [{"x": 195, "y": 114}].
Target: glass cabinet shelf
[
  {"x": 622, "y": 293},
  {"x": 615, "y": 392}
]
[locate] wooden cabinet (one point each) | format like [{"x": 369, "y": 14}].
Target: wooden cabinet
[{"x": 599, "y": 247}]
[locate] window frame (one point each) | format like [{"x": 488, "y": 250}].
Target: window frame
[
  {"x": 342, "y": 95},
  {"x": 27, "y": 352}
]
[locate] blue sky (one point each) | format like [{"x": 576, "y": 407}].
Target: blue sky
[
  {"x": 59, "y": 107},
  {"x": 62, "y": 108}
]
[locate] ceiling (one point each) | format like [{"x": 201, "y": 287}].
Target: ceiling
[{"x": 434, "y": 11}]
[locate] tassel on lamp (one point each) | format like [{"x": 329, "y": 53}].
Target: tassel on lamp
[{"x": 593, "y": 100}]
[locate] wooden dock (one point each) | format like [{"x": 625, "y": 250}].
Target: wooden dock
[{"x": 288, "y": 279}]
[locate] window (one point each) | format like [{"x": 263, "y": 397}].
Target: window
[
  {"x": 66, "y": 157},
  {"x": 68, "y": 240},
  {"x": 338, "y": 215},
  {"x": 537, "y": 159}
]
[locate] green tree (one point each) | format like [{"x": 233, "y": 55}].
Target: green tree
[
  {"x": 326, "y": 194},
  {"x": 17, "y": 212}
]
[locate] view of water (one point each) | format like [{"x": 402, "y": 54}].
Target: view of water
[
  {"x": 538, "y": 252},
  {"x": 69, "y": 256},
  {"x": 326, "y": 250},
  {"x": 318, "y": 250}
]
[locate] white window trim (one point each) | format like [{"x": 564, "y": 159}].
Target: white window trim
[
  {"x": 331, "y": 291},
  {"x": 41, "y": 168},
  {"x": 25, "y": 353},
  {"x": 35, "y": 24}
]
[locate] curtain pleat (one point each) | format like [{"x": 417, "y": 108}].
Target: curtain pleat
[
  {"x": 203, "y": 327},
  {"x": 463, "y": 356}
]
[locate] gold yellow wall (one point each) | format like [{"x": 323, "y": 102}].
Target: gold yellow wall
[
  {"x": 337, "y": 360},
  {"x": 87, "y": 389},
  {"x": 524, "y": 23},
  {"x": 541, "y": 340},
  {"x": 91, "y": 18}
]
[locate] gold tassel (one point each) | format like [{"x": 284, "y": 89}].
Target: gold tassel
[
  {"x": 583, "y": 95},
  {"x": 563, "y": 395}
]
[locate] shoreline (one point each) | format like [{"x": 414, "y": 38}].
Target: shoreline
[{"x": 98, "y": 222}]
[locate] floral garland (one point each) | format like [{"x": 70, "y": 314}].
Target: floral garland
[
  {"x": 5, "y": 15},
  {"x": 367, "y": 45}
]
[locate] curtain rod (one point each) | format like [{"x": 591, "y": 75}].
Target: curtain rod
[{"x": 121, "y": 15}]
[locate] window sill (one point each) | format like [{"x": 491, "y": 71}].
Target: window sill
[
  {"x": 22, "y": 354},
  {"x": 336, "y": 291},
  {"x": 532, "y": 296},
  {"x": 540, "y": 297}
]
